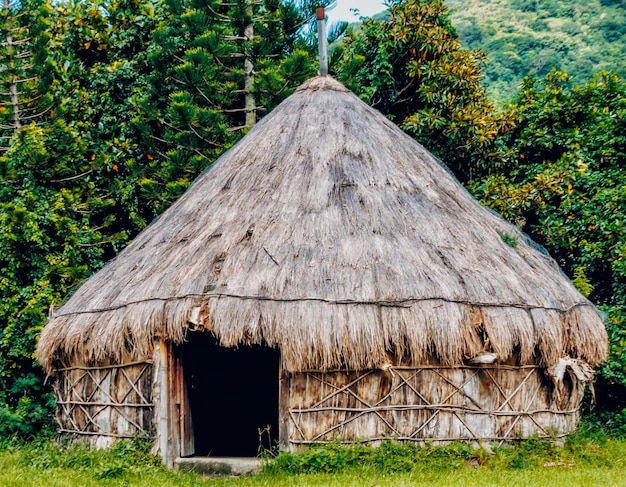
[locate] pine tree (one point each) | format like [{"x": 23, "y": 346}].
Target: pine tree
[
  {"x": 217, "y": 68},
  {"x": 22, "y": 66}
]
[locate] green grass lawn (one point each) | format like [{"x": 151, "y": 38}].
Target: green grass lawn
[{"x": 586, "y": 460}]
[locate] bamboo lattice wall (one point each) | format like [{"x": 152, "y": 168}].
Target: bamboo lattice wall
[
  {"x": 106, "y": 402},
  {"x": 431, "y": 403}
]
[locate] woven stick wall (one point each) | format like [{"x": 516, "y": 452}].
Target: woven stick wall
[
  {"x": 107, "y": 402},
  {"x": 436, "y": 403}
]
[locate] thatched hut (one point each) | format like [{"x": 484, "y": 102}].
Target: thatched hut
[{"x": 329, "y": 278}]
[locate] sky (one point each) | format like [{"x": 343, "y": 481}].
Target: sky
[{"x": 366, "y": 9}]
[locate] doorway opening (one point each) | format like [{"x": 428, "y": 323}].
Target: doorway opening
[{"x": 233, "y": 396}]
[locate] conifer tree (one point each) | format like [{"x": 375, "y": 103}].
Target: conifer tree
[
  {"x": 217, "y": 67},
  {"x": 22, "y": 66}
]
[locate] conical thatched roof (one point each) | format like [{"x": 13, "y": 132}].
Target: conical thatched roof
[{"x": 328, "y": 232}]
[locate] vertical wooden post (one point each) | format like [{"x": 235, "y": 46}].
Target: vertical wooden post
[
  {"x": 175, "y": 368},
  {"x": 185, "y": 420},
  {"x": 283, "y": 409},
  {"x": 163, "y": 423}
]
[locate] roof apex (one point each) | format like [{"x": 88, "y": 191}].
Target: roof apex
[{"x": 322, "y": 83}]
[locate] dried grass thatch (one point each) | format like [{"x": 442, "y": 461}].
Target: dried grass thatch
[{"x": 328, "y": 232}]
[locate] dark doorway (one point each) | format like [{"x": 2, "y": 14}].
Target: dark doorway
[{"x": 233, "y": 395}]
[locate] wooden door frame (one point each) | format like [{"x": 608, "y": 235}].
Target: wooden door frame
[
  {"x": 283, "y": 407},
  {"x": 174, "y": 416},
  {"x": 182, "y": 407},
  {"x": 174, "y": 422}
]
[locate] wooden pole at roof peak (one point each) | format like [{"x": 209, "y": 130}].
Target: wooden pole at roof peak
[{"x": 321, "y": 39}]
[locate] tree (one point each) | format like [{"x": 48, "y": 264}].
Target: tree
[
  {"x": 216, "y": 68},
  {"x": 413, "y": 69},
  {"x": 564, "y": 183},
  {"x": 47, "y": 246},
  {"x": 23, "y": 51},
  {"x": 102, "y": 58},
  {"x": 62, "y": 207}
]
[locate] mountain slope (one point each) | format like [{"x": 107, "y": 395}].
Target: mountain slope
[{"x": 525, "y": 37}]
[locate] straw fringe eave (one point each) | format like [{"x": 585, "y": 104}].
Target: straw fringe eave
[{"x": 322, "y": 335}]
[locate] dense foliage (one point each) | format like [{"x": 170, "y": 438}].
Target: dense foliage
[
  {"x": 412, "y": 67},
  {"x": 113, "y": 107},
  {"x": 563, "y": 178}
]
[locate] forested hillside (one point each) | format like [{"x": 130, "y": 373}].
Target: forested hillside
[{"x": 523, "y": 37}]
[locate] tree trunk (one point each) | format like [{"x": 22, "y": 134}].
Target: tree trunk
[
  {"x": 14, "y": 101},
  {"x": 248, "y": 68}
]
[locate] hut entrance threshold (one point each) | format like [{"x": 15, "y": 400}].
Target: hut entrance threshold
[{"x": 232, "y": 396}]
